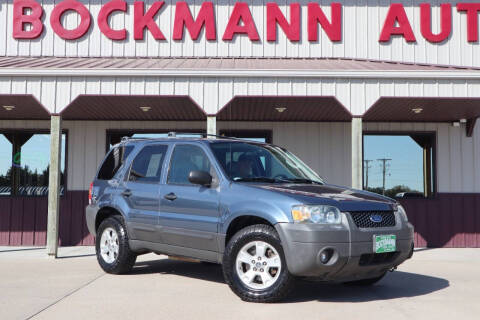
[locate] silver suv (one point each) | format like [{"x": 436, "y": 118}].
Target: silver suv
[{"x": 253, "y": 207}]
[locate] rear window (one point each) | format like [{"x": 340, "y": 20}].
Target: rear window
[{"x": 113, "y": 162}]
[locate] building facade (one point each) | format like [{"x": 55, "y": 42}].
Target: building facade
[{"x": 316, "y": 77}]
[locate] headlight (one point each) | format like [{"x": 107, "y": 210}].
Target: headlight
[
  {"x": 316, "y": 214},
  {"x": 401, "y": 212}
]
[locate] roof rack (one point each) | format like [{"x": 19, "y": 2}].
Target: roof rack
[{"x": 173, "y": 134}]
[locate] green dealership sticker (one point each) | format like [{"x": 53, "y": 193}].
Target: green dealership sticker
[{"x": 385, "y": 243}]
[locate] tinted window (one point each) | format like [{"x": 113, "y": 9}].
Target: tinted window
[
  {"x": 25, "y": 161},
  {"x": 187, "y": 158},
  {"x": 114, "y": 160},
  {"x": 147, "y": 165}
]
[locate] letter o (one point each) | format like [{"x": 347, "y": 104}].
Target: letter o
[{"x": 60, "y": 9}]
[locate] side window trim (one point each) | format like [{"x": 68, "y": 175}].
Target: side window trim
[
  {"x": 170, "y": 157},
  {"x": 162, "y": 170}
]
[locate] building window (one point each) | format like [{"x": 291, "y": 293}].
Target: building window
[
  {"x": 255, "y": 135},
  {"x": 25, "y": 162},
  {"x": 399, "y": 165},
  {"x": 115, "y": 136}
]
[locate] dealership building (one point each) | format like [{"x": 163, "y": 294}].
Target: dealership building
[{"x": 316, "y": 77}]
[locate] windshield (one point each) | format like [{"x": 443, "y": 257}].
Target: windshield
[{"x": 243, "y": 161}]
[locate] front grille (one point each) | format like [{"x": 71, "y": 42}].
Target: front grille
[
  {"x": 370, "y": 259},
  {"x": 364, "y": 219}
]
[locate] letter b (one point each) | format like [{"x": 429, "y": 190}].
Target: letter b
[{"x": 20, "y": 19}]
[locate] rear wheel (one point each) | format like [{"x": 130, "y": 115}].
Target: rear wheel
[
  {"x": 113, "y": 252},
  {"x": 366, "y": 282},
  {"x": 254, "y": 265}
]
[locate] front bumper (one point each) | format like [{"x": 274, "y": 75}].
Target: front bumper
[{"x": 352, "y": 249}]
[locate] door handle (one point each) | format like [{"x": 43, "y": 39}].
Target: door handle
[
  {"x": 171, "y": 196},
  {"x": 127, "y": 193}
]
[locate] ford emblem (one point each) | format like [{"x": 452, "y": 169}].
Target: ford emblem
[{"x": 376, "y": 218}]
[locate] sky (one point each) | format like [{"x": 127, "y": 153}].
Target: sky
[{"x": 406, "y": 166}]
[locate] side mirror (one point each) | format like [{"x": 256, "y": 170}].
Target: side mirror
[{"x": 200, "y": 177}]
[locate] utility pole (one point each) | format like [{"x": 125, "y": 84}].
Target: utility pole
[
  {"x": 384, "y": 163},
  {"x": 367, "y": 166}
]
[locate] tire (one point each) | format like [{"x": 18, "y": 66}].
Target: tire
[
  {"x": 123, "y": 261},
  {"x": 366, "y": 282},
  {"x": 234, "y": 270}
]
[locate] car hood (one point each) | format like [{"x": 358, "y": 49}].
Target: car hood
[{"x": 346, "y": 199}]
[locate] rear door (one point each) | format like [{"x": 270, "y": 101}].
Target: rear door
[
  {"x": 189, "y": 213},
  {"x": 140, "y": 191}
]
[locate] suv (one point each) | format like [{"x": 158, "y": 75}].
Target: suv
[{"x": 252, "y": 207}]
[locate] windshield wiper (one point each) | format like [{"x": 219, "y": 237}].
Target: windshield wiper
[
  {"x": 299, "y": 180},
  {"x": 255, "y": 179}
]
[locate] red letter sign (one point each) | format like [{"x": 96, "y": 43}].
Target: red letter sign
[
  {"x": 105, "y": 12},
  {"x": 240, "y": 13},
  {"x": 274, "y": 16},
  {"x": 316, "y": 15},
  {"x": 396, "y": 13},
  {"x": 33, "y": 19},
  {"x": 145, "y": 20},
  {"x": 60, "y": 9},
  {"x": 426, "y": 22},
  {"x": 183, "y": 17},
  {"x": 472, "y": 19}
]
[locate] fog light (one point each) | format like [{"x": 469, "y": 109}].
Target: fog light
[{"x": 326, "y": 255}]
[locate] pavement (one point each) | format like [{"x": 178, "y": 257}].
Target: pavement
[{"x": 436, "y": 283}]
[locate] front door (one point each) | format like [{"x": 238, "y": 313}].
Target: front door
[
  {"x": 140, "y": 192},
  {"x": 189, "y": 213}
]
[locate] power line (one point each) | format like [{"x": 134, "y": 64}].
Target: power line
[
  {"x": 367, "y": 166},
  {"x": 384, "y": 163}
]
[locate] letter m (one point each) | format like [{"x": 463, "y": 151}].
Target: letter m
[{"x": 183, "y": 18}]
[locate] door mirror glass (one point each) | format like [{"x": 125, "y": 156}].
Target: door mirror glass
[{"x": 202, "y": 178}]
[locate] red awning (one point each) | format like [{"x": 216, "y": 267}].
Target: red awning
[
  {"x": 131, "y": 107},
  {"x": 284, "y": 108},
  {"x": 407, "y": 109},
  {"x": 22, "y": 107}
]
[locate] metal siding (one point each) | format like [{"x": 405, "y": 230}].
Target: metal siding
[
  {"x": 5, "y": 220},
  {"x": 362, "y": 23},
  {"x": 357, "y": 95},
  {"x": 446, "y": 220}
]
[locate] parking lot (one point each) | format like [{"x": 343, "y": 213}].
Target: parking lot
[{"x": 436, "y": 283}]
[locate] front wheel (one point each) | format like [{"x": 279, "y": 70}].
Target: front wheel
[
  {"x": 254, "y": 265},
  {"x": 113, "y": 252}
]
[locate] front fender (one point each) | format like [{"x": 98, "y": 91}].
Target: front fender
[{"x": 273, "y": 213}]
